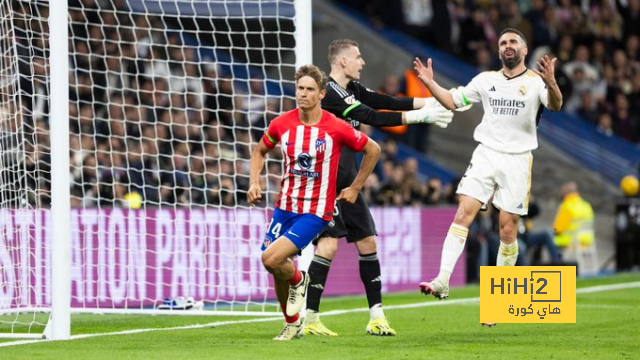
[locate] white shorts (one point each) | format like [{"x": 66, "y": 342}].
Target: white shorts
[{"x": 506, "y": 177}]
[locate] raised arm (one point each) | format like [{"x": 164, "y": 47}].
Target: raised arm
[
  {"x": 254, "y": 195},
  {"x": 371, "y": 155},
  {"x": 546, "y": 70},
  {"x": 425, "y": 73},
  {"x": 364, "y": 110},
  {"x": 380, "y": 101}
]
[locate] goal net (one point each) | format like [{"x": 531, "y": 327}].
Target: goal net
[{"x": 166, "y": 98}]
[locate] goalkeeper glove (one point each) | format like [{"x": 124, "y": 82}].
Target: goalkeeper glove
[{"x": 432, "y": 113}]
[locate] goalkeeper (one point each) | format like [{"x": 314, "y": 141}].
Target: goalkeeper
[{"x": 348, "y": 99}]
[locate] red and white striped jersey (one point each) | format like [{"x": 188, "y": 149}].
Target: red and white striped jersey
[{"x": 311, "y": 155}]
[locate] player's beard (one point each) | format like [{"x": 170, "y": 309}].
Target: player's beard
[{"x": 512, "y": 62}]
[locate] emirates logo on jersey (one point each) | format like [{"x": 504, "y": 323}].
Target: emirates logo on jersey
[{"x": 321, "y": 145}]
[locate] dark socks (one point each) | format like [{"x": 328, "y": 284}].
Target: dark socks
[
  {"x": 370, "y": 275},
  {"x": 318, "y": 272}
]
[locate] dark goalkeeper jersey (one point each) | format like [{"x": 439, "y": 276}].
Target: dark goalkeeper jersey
[{"x": 357, "y": 105}]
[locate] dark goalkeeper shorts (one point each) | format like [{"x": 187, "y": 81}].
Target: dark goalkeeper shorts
[{"x": 353, "y": 221}]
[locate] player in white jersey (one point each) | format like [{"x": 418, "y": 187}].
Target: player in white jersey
[{"x": 500, "y": 168}]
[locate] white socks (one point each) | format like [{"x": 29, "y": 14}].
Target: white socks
[
  {"x": 376, "y": 311},
  {"x": 451, "y": 250},
  {"x": 507, "y": 254},
  {"x": 311, "y": 317}
]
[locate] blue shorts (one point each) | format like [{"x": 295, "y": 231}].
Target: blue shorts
[{"x": 301, "y": 229}]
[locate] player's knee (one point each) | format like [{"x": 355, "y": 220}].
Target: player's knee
[
  {"x": 367, "y": 245},
  {"x": 270, "y": 261},
  {"x": 327, "y": 248},
  {"x": 463, "y": 217}
]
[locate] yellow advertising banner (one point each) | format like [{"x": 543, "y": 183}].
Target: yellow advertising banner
[{"x": 528, "y": 294}]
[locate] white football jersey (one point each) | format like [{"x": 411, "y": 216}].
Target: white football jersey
[{"x": 512, "y": 109}]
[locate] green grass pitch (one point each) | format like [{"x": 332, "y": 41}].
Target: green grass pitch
[{"x": 608, "y": 327}]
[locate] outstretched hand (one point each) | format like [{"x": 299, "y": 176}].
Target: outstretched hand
[
  {"x": 425, "y": 73},
  {"x": 546, "y": 69}
]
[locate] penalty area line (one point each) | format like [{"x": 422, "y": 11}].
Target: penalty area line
[{"x": 587, "y": 290}]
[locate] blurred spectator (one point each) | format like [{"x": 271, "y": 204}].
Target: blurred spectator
[
  {"x": 417, "y": 16},
  {"x": 564, "y": 81},
  {"x": 411, "y": 187},
  {"x": 564, "y": 49},
  {"x": 391, "y": 86},
  {"x": 540, "y": 17},
  {"x": 371, "y": 190},
  {"x": 574, "y": 222},
  {"x": 581, "y": 85},
  {"x": 390, "y": 189},
  {"x": 605, "y": 124},
  {"x": 630, "y": 13},
  {"x": 588, "y": 107},
  {"x": 472, "y": 34},
  {"x": 581, "y": 60},
  {"x": 435, "y": 193},
  {"x": 537, "y": 239},
  {"x": 605, "y": 22},
  {"x": 632, "y": 48},
  {"x": 625, "y": 124},
  {"x": 483, "y": 60}
]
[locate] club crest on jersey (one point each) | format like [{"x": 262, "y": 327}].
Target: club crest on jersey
[
  {"x": 350, "y": 100},
  {"x": 304, "y": 160},
  {"x": 321, "y": 145},
  {"x": 522, "y": 91}
]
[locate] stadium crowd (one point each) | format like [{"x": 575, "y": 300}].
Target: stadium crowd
[
  {"x": 153, "y": 123},
  {"x": 597, "y": 44}
]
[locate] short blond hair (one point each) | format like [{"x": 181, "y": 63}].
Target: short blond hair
[
  {"x": 339, "y": 45},
  {"x": 313, "y": 72}
]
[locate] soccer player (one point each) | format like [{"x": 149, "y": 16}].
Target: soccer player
[
  {"x": 500, "y": 167},
  {"x": 311, "y": 140},
  {"x": 348, "y": 99}
]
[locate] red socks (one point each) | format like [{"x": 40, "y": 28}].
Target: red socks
[
  {"x": 296, "y": 278},
  {"x": 289, "y": 319}
]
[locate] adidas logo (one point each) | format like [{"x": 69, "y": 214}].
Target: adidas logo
[
  {"x": 377, "y": 279},
  {"x": 317, "y": 286},
  {"x": 520, "y": 206},
  {"x": 493, "y": 88}
]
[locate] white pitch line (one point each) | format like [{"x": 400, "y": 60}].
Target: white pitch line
[
  {"x": 600, "y": 288},
  {"x": 588, "y": 290},
  {"x": 617, "y": 307}
]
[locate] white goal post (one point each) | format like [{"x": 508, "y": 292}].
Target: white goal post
[{"x": 125, "y": 133}]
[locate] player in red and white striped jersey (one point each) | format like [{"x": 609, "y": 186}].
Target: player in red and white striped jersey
[
  {"x": 312, "y": 154},
  {"x": 311, "y": 140}
]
